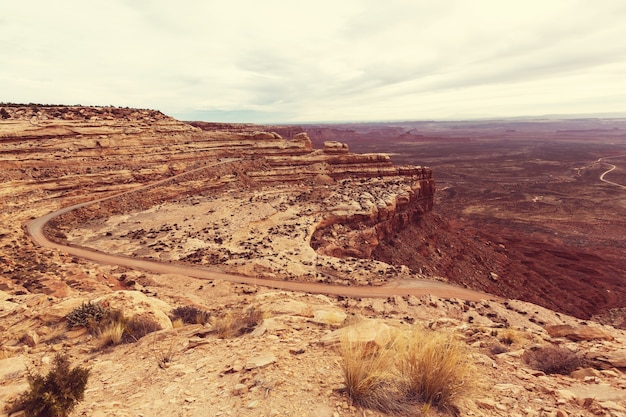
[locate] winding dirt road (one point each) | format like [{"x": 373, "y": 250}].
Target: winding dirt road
[
  {"x": 613, "y": 167},
  {"x": 399, "y": 287}
]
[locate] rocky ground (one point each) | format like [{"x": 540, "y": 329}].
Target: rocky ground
[{"x": 289, "y": 364}]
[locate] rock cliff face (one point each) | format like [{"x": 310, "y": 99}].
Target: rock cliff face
[
  {"x": 111, "y": 147},
  {"x": 357, "y": 234}
]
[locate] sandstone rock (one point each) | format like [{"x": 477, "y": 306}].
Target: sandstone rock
[
  {"x": 329, "y": 317},
  {"x": 486, "y": 403},
  {"x": 239, "y": 389},
  {"x": 366, "y": 331},
  {"x": 616, "y": 358},
  {"x": 289, "y": 307},
  {"x": 8, "y": 307},
  {"x": 335, "y": 147},
  {"x": 133, "y": 303},
  {"x": 578, "y": 333},
  {"x": 585, "y": 373},
  {"x": 260, "y": 360}
]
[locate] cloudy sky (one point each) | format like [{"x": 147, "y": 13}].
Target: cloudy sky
[{"x": 322, "y": 60}]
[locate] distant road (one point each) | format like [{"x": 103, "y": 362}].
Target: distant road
[
  {"x": 609, "y": 170},
  {"x": 399, "y": 288}
]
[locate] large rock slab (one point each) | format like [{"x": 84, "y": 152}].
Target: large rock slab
[
  {"x": 578, "y": 333},
  {"x": 134, "y": 303}
]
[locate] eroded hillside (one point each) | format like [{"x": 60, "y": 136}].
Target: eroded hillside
[{"x": 237, "y": 202}]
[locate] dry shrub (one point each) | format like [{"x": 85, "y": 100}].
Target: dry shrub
[
  {"x": 416, "y": 369},
  {"x": 139, "y": 326},
  {"x": 497, "y": 348},
  {"x": 111, "y": 335},
  {"x": 370, "y": 376},
  {"x": 436, "y": 368},
  {"x": 232, "y": 324},
  {"x": 553, "y": 360},
  {"x": 510, "y": 337},
  {"x": 56, "y": 394},
  {"x": 190, "y": 315},
  {"x": 118, "y": 329}
]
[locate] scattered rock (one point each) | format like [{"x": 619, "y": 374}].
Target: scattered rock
[{"x": 260, "y": 360}]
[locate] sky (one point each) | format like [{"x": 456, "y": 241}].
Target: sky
[{"x": 293, "y": 61}]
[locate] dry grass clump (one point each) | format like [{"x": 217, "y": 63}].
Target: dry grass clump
[
  {"x": 510, "y": 337},
  {"x": 111, "y": 335},
  {"x": 190, "y": 315},
  {"x": 553, "y": 360},
  {"x": 119, "y": 329},
  {"x": 436, "y": 368},
  {"x": 233, "y": 324},
  {"x": 371, "y": 378},
  {"x": 139, "y": 326},
  {"x": 417, "y": 369}
]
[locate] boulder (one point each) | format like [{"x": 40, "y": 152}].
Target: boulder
[{"x": 134, "y": 303}]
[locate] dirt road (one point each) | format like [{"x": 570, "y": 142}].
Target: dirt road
[
  {"x": 399, "y": 287},
  {"x": 613, "y": 167}
]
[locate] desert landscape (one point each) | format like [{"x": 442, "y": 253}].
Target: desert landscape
[{"x": 504, "y": 236}]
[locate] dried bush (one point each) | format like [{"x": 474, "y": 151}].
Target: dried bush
[
  {"x": 553, "y": 360},
  {"x": 190, "y": 315},
  {"x": 111, "y": 335},
  {"x": 139, "y": 326},
  {"x": 370, "y": 377},
  {"x": 236, "y": 324},
  {"x": 57, "y": 393},
  {"x": 510, "y": 337},
  {"x": 418, "y": 368},
  {"x": 436, "y": 368},
  {"x": 497, "y": 349},
  {"x": 119, "y": 329},
  {"x": 88, "y": 315}
]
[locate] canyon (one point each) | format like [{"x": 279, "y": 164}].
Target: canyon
[{"x": 312, "y": 224}]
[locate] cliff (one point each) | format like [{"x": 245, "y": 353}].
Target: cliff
[{"x": 201, "y": 220}]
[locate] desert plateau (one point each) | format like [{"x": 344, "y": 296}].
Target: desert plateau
[{"x": 245, "y": 261}]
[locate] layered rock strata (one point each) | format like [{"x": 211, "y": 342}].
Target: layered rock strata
[{"x": 340, "y": 204}]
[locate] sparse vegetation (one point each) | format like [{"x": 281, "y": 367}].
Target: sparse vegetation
[
  {"x": 112, "y": 334},
  {"x": 88, "y": 315},
  {"x": 110, "y": 325},
  {"x": 553, "y": 360},
  {"x": 416, "y": 369},
  {"x": 119, "y": 329},
  {"x": 190, "y": 315},
  {"x": 236, "y": 324},
  {"x": 510, "y": 337},
  {"x": 139, "y": 326},
  {"x": 371, "y": 378},
  {"x": 57, "y": 393},
  {"x": 436, "y": 368}
]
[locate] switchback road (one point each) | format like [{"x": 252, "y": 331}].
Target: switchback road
[{"x": 399, "y": 287}]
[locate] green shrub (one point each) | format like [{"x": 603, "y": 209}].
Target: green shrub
[
  {"x": 88, "y": 315},
  {"x": 57, "y": 393},
  {"x": 190, "y": 315}
]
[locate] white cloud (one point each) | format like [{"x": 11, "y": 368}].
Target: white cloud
[{"x": 303, "y": 60}]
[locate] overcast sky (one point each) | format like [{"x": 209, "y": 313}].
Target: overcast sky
[{"x": 321, "y": 60}]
